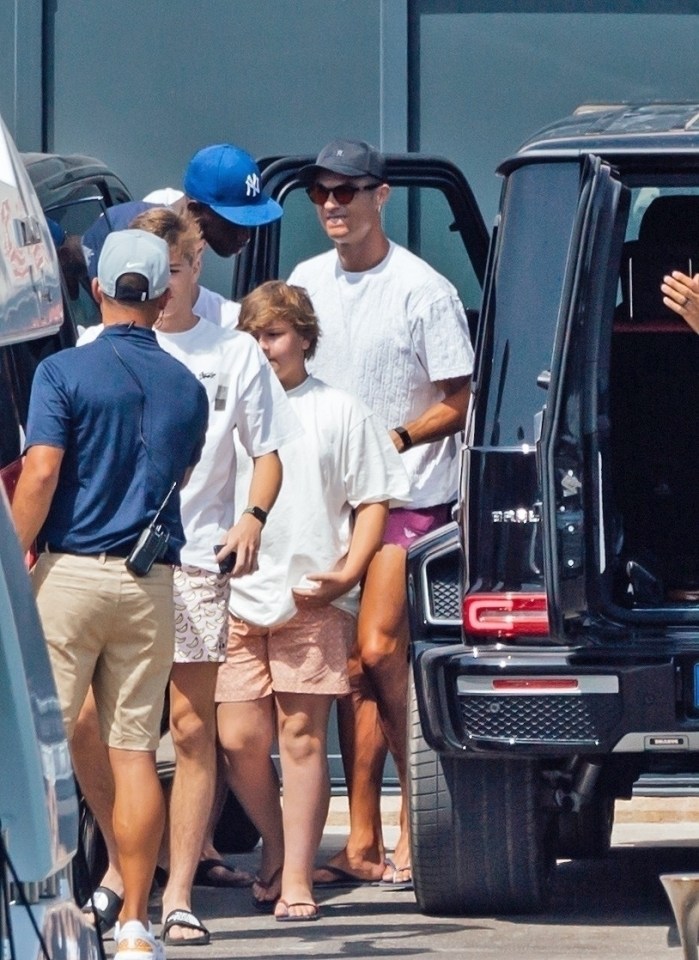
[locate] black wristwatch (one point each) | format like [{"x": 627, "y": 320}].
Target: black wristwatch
[
  {"x": 405, "y": 437},
  {"x": 258, "y": 513}
]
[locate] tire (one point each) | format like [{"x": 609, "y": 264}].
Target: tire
[
  {"x": 481, "y": 840},
  {"x": 235, "y": 832},
  {"x": 90, "y": 861},
  {"x": 587, "y": 835}
]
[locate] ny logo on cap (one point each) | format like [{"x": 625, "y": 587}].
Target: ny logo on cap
[
  {"x": 252, "y": 185},
  {"x": 339, "y": 153}
]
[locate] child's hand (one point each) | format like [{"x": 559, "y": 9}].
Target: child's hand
[{"x": 326, "y": 588}]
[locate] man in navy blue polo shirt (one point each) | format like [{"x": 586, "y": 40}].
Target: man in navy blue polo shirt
[{"x": 113, "y": 430}]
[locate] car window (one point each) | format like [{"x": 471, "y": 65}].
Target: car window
[
  {"x": 80, "y": 213},
  {"x": 642, "y": 197},
  {"x": 523, "y": 298},
  {"x": 85, "y": 206}
]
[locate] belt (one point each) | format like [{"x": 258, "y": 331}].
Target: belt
[{"x": 120, "y": 553}]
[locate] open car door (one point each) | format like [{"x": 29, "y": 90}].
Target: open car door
[{"x": 578, "y": 523}]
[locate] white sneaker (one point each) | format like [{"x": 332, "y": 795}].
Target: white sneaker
[{"x": 135, "y": 942}]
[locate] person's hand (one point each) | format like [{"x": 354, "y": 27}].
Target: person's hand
[
  {"x": 243, "y": 539},
  {"x": 681, "y": 295},
  {"x": 329, "y": 587}
]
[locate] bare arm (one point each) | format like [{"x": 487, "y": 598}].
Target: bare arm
[
  {"x": 681, "y": 294},
  {"x": 441, "y": 419},
  {"x": 367, "y": 536},
  {"x": 244, "y": 536},
  {"x": 34, "y": 492}
]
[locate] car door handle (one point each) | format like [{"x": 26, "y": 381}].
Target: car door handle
[{"x": 27, "y": 231}]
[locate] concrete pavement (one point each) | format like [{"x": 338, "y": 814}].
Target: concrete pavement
[{"x": 612, "y": 909}]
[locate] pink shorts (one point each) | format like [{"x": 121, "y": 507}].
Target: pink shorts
[
  {"x": 405, "y": 525},
  {"x": 307, "y": 654}
]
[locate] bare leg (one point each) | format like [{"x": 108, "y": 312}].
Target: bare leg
[
  {"x": 94, "y": 772},
  {"x": 193, "y": 729},
  {"x": 246, "y": 731},
  {"x": 208, "y": 850},
  {"x": 139, "y": 814},
  {"x": 303, "y": 727},
  {"x": 383, "y": 649},
  {"x": 363, "y": 748},
  {"x": 375, "y": 715}
]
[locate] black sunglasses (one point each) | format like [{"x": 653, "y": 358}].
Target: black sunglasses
[{"x": 344, "y": 193}]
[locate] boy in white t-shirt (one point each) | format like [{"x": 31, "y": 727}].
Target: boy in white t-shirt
[{"x": 293, "y": 620}]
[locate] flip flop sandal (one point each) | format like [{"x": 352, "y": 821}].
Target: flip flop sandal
[
  {"x": 394, "y": 884},
  {"x": 105, "y": 906},
  {"x": 211, "y": 873},
  {"x": 266, "y": 904},
  {"x": 184, "y": 918},
  {"x": 340, "y": 878},
  {"x": 291, "y": 918}
]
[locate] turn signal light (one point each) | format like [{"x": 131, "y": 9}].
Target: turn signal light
[{"x": 502, "y": 615}]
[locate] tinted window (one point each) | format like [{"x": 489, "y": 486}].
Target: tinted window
[
  {"x": 75, "y": 216},
  {"x": 642, "y": 197},
  {"x": 538, "y": 210}
]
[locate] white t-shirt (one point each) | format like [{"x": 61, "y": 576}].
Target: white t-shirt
[
  {"x": 343, "y": 459},
  {"x": 387, "y": 335},
  {"x": 217, "y": 308},
  {"x": 211, "y": 305},
  {"x": 245, "y": 398}
]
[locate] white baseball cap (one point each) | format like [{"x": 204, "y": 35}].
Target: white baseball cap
[{"x": 134, "y": 252}]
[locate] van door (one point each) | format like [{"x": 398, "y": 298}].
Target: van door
[
  {"x": 30, "y": 287},
  {"x": 577, "y": 523},
  {"x": 432, "y": 211}
]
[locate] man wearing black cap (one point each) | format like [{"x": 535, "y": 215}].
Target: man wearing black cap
[
  {"x": 395, "y": 334},
  {"x": 105, "y": 457}
]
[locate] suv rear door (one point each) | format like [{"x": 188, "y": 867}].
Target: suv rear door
[{"x": 577, "y": 521}]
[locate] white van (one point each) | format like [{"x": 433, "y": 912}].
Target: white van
[{"x": 38, "y": 803}]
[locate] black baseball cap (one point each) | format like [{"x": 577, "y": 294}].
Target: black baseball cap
[{"x": 349, "y": 158}]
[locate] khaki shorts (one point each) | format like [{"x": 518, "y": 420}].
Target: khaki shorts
[
  {"x": 201, "y": 615},
  {"x": 108, "y": 628},
  {"x": 307, "y": 654}
]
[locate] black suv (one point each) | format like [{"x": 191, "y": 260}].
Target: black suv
[{"x": 555, "y": 623}]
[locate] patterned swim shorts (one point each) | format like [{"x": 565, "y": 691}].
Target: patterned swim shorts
[{"x": 201, "y": 615}]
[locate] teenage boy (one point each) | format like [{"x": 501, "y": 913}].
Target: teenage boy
[{"x": 293, "y": 620}]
